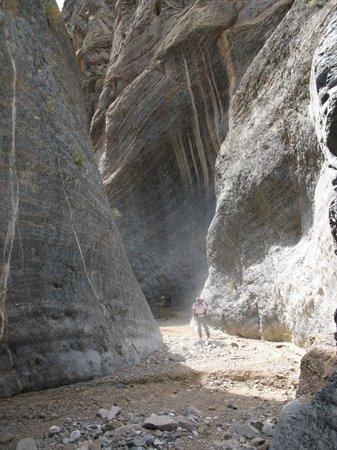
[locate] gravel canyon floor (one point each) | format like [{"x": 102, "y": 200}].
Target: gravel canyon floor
[{"x": 231, "y": 381}]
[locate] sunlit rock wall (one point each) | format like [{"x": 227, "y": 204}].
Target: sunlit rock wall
[{"x": 270, "y": 248}]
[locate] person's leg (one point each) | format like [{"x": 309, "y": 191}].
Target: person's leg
[
  {"x": 199, "y": 327},
  {"x": 204, "y": 322}
]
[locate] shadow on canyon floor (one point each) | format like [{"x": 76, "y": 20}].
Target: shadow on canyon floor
[{"x": 225, "y": 378}]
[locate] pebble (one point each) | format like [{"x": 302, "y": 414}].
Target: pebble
[
  {"x": 104, "y": 441},
  {"x": 231, "y": 406},
  {"x": 54, "y": 429},
  {"x": 114, "y": 412},
  {"x": 258, "y": 441},
  {"x": 268, "y": 429},
  {"x": 65, "y": 440},
  {"x": 149, "y": 439},
  {"x": 97, "y": 433},
  {"x": 74, "y": 436},
  {"x": 139, "y": 441},
  {"x": 191, "y": 411},
  {"x": 246, "y": 430},
  {"x": 84, "y": 446},
  {"x": 184, "y": 423},
  {"x": 226, "y": 436},
  {"x": 103, "y": 413},
  {"x": 6, "y": 438},
  {"x": 27, "y": 444},
  {"x": 258, "y": 424}
]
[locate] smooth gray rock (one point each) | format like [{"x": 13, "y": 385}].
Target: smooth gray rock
[
  {"x": 272, "y": 271},
  {"x": 26, "y": 444},
  {"x": 70, "y": 307},
  {"x": 54, "y": 429},
  {"x": 75, "y": 436},
  {"x": 268, "y": 429},
  {"x": 140, "y": 441},
  {"x": 162, "y": 423},
  {"x": 114, "y": 412},
  {"x": 245, "y": 430},
  {"x": 103, "y": 413}
]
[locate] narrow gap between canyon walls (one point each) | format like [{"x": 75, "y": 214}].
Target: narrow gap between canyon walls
[{"x": 168, "y": 224}]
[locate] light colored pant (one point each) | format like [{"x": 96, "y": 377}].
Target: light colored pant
[{"x": 201, "y": 320}]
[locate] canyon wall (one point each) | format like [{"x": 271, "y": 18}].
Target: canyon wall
[
  {"x": 312, "y": 424},
  {"x": 159, "y": 110},
  {"x": 270, "y": 249},
  {"x": 70, "y": 307}
]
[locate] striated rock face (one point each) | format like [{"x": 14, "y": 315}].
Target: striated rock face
[
  {"x": 270, "y": 249},
  {"x": 312, "y": 424},
  {"x": 161, "y": 117},
  {"x": 90, "y": 23},
  {"x": 70, "y": 307}
]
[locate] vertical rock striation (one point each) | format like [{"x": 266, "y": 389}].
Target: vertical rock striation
[
  {"x": 160, "y": 120},
  {"x": 272, "y": 268},
  {"x": 312, "y": 424},
  {"x": 70, "y": 307}
]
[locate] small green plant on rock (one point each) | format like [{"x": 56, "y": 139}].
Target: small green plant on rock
[
  {"x": 52, "y": 11},
  {"x": 116, "y": 214},
  {"x": 79, "y": 160},
  {"x": 315, "y": 3}
]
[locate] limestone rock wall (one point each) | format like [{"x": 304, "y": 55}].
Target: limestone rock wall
[
  {"x": 270, "y": 249},
  {"x": 160, "y": 120},
  {"x": 70, "y": 307},
  {"x": 312, "y": 424}
]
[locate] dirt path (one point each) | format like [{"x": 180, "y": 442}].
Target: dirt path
[{"x": 229, "y": 379}]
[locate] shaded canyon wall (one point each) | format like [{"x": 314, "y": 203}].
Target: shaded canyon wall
[{"x": 70, "y": 307}]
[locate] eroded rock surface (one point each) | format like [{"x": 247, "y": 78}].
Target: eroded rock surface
[
  {"x": 312, "y": 424},
  {"x": 317, "y": 366},
  {"x": 70, "y": 307},
  {"x": 161, "y": 117},
  {"x": 270, "y": 249}
]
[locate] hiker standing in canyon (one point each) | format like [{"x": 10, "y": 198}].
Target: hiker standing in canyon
[{"x": 200, "y": 313}]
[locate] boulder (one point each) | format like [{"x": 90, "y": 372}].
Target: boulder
[
  {"x": 317, "y": 365},
  {"x": 162, "y": 423}
]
